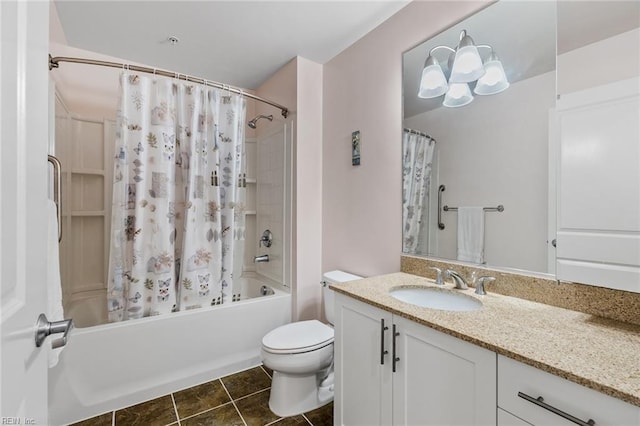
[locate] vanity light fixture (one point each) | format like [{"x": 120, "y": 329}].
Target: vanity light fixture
[{"x": 466, "y": 67}]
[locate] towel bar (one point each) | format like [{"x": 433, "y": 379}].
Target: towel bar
[
  {"x": 499, "y": 208},
  {"x": 441, "y": 189}
]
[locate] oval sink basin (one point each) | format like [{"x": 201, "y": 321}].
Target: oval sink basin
[{"x": 435, "y": 298}]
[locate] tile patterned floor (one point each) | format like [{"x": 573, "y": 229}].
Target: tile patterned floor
[{"x": 240, "y": 399}]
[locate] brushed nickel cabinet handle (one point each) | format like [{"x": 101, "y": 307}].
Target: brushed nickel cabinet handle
[
  {"x": 395, "y": 358},
  {"x": 383, "y": 328},
  {"x": 539, "y": 401}
]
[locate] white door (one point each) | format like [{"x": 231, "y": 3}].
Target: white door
[{"x": 24, "y": 29}]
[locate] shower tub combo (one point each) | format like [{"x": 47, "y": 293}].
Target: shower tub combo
[{"x": 111, "y": 366}]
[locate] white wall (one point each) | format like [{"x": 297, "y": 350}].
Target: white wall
[
  {"x": 298, "y": 85},
  {"x": 612, "y": 59},
  {"x": 308, "y": 191},
  {"x": 362, "y": 90},
  {"x": 513, "y": 124}
]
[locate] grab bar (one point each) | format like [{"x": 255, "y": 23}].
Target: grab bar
[
  {"x": 57, "y": 191},
  {"x": 441, "y": 189}
]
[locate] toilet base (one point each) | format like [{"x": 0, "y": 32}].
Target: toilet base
[{"x": 293, "y": 394}]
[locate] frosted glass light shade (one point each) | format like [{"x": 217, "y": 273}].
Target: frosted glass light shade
[
  {"x": 467, "y": 65},
  {"x": 494, "y": 80},
  {"x": 433, "y": 83},
  {"x": 458, "y": 95}
]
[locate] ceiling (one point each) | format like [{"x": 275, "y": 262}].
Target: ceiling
[
  {"x": 241, "y": 43},
  {"x": 523, "y": 35}
]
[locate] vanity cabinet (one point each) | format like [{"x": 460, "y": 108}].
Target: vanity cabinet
[
  {"x": 507, "y": 419},
  {"x": 520, "y": 387},
  {"x": 434, "y": 379},
  {"x": 598, "y": 200},
  {"x": 363, "y": 376}
]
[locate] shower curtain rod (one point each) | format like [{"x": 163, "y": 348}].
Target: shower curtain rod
[
  {"x": 406, "y": 129},
  {"x": 54, "y": 62}
]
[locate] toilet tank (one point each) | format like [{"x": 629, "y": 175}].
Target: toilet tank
[{"x": 333, "y": 277}]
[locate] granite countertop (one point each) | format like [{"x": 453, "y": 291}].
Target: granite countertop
[{"x": 595, "y": 352}]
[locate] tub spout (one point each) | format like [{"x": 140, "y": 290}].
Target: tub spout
[{"x": 263, "y": 258}]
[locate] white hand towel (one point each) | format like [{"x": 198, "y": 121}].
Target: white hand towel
[
  {"x": 54, "y": 289},
  {"x": 471, "y": 234}
]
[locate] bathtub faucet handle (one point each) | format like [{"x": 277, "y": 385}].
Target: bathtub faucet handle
[{"x": 266, "y": 239}]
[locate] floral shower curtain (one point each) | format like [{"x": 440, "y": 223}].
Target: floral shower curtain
[
  {"x": 178, "y": 197},
  {"x": 416, "y": 177}
]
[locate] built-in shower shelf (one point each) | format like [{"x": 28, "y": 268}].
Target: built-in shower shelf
[
  {"x": 250, "y": 212},
  {"x": 252, "y": 180},
  {"x": 84, "y": 213},
  {"x": 97, "y": 172}
]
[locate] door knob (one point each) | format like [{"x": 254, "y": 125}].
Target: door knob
[{"x": 45, "y": 328}]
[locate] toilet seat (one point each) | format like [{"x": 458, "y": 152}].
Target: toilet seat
[{"x": 298, "y": 337}]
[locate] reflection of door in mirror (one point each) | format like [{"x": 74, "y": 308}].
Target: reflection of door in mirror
[
  {"x": 598, "y": 141},
  {"x": 599, "y": 186}
]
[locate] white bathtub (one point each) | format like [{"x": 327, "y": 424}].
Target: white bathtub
[{"x": 111, "y": 366}]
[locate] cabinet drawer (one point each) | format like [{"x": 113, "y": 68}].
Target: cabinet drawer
[
  {"x": 571, "y": 398},
  {"x": 508, "y": 419}
]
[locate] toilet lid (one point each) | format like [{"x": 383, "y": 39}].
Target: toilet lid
[{"x": 298, "y": 336}]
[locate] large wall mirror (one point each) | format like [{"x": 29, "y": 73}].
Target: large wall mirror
[
  {"x": 490, "y": 152},
  {"x": 498, "y": 149}
]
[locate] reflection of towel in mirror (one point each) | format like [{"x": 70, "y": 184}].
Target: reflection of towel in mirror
[
  {"x": 54, "y": 290},
  {"x": 471, "y": 234}
]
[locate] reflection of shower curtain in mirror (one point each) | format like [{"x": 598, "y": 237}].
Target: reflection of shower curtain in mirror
[
  {"x": 416, "y": 175},
  {"x": 178, "y": 198}
]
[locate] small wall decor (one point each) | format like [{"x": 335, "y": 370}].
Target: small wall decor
[{"x": 355, "y": 148}]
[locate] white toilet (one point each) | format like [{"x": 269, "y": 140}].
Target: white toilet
[{"x": 301, "y": 357}]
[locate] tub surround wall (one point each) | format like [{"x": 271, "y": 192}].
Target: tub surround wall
[
  {"x": 270, "y": 194},
  {"x": 599, "y": 301}
]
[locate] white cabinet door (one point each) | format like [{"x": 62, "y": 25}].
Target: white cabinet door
[
  {"x": 441, "y": 380},
  {"x": 438, "y": 379},
  {"x": 24, "y": 87},
  {"x": 363, "y": 377},
  {"x": 598, "y": 238}
]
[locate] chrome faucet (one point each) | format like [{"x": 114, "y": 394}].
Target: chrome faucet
[
  {"x": 439, "y": 280},
  {"x": 263, "y": 258},
  {"x": 480, "y": 284},
  {"x": 458, "y": 280}
]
